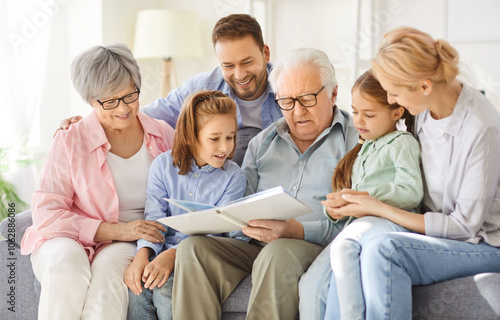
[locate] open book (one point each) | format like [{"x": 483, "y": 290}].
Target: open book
[{"x": 274, "y": 204}]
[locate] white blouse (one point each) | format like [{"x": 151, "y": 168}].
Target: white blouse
[{"x": 131, "y": 176}]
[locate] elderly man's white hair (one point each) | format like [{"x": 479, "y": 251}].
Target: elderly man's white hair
[
  {"x": 298, "y": 58},
  {"x": 101, "y": 71}
]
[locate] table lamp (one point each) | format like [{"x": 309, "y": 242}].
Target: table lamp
[{"x": 167, "y": 34}]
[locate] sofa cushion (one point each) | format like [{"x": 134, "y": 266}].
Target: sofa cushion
[
  {"x": 474, "y": 297},
  {"x": 243, "y": 138},
  {"x": 238, "y": 300},
  {"x": 471, "y": 298},
  {"x": 20, "y": 222}
]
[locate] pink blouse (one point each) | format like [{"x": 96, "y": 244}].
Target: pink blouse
[{"x": 76, "y": 191}]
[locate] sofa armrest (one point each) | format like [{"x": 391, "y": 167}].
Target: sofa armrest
[
  {"x": 19, "y": 223},
  {"x": 19, "y": 288}
]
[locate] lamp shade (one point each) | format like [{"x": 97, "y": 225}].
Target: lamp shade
[{"x": 167, "y": 33}]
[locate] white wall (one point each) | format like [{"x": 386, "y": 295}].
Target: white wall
[
  {"x": 480, "y": 63},
  {"x": 321, "y": 24},
  {"x": 69, "y": 31},
  {"x": 119, "y": 27},
  {"x": 328, "y": 25}
]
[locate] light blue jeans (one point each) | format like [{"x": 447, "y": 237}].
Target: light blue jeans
[
  {"x": 392, "y": 263},
  {"x": 313, "y": 287},
  {"x": 345, "y": 295},
  {"x": 152, "y": 304},
  {"x": 314, "y": 283}
]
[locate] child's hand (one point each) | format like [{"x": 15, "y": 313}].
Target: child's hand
[
  {"x": 134, "y": 272},
  {"x": 334, "y": 200},
  {"x": 157, "y": 271}
]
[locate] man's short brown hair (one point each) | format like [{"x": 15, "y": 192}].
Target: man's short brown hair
[{"x": 237, "y": 26}]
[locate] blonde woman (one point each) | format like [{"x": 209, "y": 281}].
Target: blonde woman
[{"x": 458, "y": 234}]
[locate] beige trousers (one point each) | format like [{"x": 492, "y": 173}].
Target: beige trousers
[
  {"x": 72, "y": 288},
  {"x": 209, "y": 268}
]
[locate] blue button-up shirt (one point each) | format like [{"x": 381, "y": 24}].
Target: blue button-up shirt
[
  {"x": 208, "y": 185},
  {"x": 168, "y": 108},
  {"x": 273, "y": 159}
]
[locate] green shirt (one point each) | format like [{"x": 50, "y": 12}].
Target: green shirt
[{"x": 388, "y": 168}]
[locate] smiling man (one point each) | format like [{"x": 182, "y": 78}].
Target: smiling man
[
  {"x": 242, "y": 75},
  {"x": 298, "y": 152}
]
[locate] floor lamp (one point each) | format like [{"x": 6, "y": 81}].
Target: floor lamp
[{"x": 167, "y": 34}]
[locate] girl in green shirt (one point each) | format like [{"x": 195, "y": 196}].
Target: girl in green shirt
[{"x": 386, "y": 165}]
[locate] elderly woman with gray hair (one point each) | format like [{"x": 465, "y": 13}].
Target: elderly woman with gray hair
[{"x": 89, "y": 205}]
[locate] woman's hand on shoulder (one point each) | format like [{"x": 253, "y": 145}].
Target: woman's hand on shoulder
[{"x": 65, "y": 123}]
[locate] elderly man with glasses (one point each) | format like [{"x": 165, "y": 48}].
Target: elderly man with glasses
[{"x": 298, "y": 152}]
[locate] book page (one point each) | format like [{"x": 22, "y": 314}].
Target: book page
[
  {"x": 273, "y": 204},
  {"x": 189, "y": 206}
]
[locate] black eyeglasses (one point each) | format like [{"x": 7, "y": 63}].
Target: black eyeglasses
[
  {"x": 306, "y": 100},
  {"x": 114, "y": 103}
]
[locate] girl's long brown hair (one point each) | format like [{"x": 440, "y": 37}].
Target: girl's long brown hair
[
  {"x": 370, "y": 88},
  {"x": 196, "y": 111}
]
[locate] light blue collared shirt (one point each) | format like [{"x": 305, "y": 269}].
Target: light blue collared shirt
[
  {"x": 168, "y": 108},
  {"x": 208, "y": 185},
  {"x": 273, "y": 159}
]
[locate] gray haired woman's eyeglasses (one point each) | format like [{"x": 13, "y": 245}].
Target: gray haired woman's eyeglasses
[{"x": 114, "y": 103}]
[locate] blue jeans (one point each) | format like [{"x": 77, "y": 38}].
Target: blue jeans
[
  {"x": 313, "y": 287},
  {"x": 314, "y": 283},
  {"x": 392, "y": 263},
  {"x": 345, "y": 296},
  {"x": 152, "y": 304}
]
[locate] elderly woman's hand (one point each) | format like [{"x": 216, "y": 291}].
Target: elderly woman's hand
[
  {"x": 131, "y": 231},
  {"x": 134, "y": 272}
]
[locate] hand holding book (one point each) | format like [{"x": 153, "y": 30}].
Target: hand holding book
[{"x": 272, "y": 204}]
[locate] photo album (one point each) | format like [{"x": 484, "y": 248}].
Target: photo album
[{"x": 273, "y": 204}]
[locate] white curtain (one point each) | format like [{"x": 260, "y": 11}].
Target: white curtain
[
  {"x": 27, "y": 39},
  {"x": 25, "y": 28}
]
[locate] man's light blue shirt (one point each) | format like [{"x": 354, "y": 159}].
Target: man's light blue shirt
[
  {"x": 168, "y": 108},
  {"x": 208, "y": 185},
  {"x": 273, "y": 159}
]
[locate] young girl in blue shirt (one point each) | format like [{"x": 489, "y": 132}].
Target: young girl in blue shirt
[
  {"x": 385, "y": 165},
  {"x": 196, "y": 169}
]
